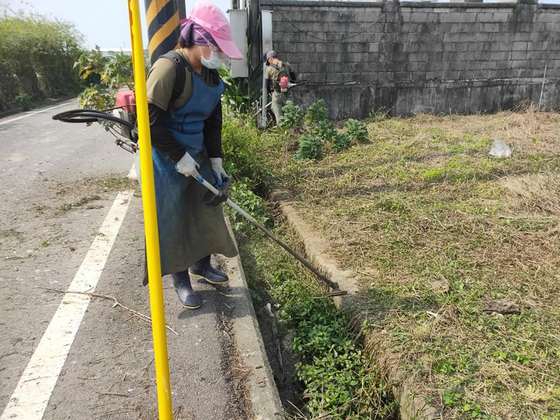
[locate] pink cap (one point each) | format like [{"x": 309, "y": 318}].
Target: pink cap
[{"x": 216, "y": 23}]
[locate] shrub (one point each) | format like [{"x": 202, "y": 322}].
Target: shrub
[
  {"x": 24, "y": 101},
  {"x": 325, "y": 130},
  {"x": 36, "y": 57},
  {"x": 117, "y": 72},
  {"x": 103, "y": 77},
  {"x": 316, "y": 113},
  {"x": 341, "y": 142},
  {"x": 292, "y": 116},
  {"x": 243, "y": 150},
  {"x": 237, "y": 97},
  {"x": 357, "y": 131},
  {"x": 97, "y": 97},
  {"x": 310, "y": 147},
  {"x": 90, "y": 65}
]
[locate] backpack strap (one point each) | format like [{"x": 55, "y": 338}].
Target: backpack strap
[{"x": 182, "y": 67}]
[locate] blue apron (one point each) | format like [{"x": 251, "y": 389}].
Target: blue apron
[{"x": 188, "y": 228}]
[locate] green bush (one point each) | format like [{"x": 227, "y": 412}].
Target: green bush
[
  {"x": 243, "y": 150},
  {"x": 103, "y": 77},
  {"x": 357, "y": 131},
  {"x": 337, "y": 381},
  {"x": 334, "y": 374},
  {"x": 341, "y": 142},
  {"x": 97, "y": 97},
  {"x": 24, "y": 101},
  {"x": 237, "y": 96},
  {"x": 310, "y": 147},
  {"x": 117, "y": 71},
  {"x": 316, "y": 113},
  {"x": 292, "y": 116},
  {"x": 36, "y": 57},
  {"x": 325, "y": 130}
]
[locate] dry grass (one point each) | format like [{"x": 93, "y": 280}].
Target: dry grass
[{"x": 436, "y": 230}]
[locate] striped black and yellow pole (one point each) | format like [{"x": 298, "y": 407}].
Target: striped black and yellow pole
[
  {"x": 163, "y": 26},
  {"x": 157, "y": 311}
]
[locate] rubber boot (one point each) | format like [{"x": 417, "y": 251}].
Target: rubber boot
[
  {"x": 187, "y": 296},
  {"x": 203, "y": 269}
]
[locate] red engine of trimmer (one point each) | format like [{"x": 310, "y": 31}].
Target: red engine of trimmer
[
  {"x": 284, "y": 82},
  {"x": 126, "y": 108}
]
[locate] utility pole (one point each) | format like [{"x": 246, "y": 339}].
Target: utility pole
[
  {"x": 182, "y": 8},
  {"x": 163, "y": 26}
]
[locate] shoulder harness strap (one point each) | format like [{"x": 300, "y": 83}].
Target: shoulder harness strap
[{"x": 181, "y": 68}]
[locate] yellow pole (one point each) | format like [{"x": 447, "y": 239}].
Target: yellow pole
[{"x": 150, "y": 219}]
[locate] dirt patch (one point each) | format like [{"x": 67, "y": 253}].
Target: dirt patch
[
  {"x": 526, "y": 132},
  {"x": 81, "y": 194},
  {"x": 10, "y": 233},
  {"x": 535, "y": 192},
  {"x": 109, "y": 183},
  {"x": 82, "y": 202},
  {"x": 235, "y": 373}
]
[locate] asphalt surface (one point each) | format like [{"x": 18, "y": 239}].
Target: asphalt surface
[{"x": 58, "y": 182}]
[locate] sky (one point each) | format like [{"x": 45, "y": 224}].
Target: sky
[{"x": 101, "y": 22}]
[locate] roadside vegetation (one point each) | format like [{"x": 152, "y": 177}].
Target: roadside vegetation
[
  {"x": 36, "y": 61},
  {"x": 102, "y": 76},
  {"x": 335, "y": 378},
  {"x": 42, "y": 59},
  {"x": 457, "y": 252}
]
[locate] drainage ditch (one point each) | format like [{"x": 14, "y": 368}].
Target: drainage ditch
[{"x": 314, "y": 350}]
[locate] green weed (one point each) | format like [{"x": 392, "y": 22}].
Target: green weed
[
  {"x": 338, "y": 380},
  {"x": 316, "y": 113},
  {"x": 292, "y": 116},
  {"x": 356, "y": 130},
  {"x": 310, "y": 147},
  {"x": 341, "y": 142}
]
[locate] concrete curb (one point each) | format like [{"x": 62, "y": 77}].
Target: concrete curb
[
  {"x": 263, "y": 394},
  {"x": 411, "y": 406},
  {"x": 316, "y": 249}
]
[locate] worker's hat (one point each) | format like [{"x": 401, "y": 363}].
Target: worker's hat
[{"x": 215, "y": 22}]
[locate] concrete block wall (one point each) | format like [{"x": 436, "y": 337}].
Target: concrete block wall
[{"x": 407, "y": 58}]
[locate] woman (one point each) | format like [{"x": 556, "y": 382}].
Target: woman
[{"x": 184, "y": 91}]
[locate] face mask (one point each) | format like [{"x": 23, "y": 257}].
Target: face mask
[
  {"x": 215, "y": 61},
  {"x": 217, "y": 58}
]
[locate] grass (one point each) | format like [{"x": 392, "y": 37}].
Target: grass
[
  {"x": 325, "y": 374},
  {"x": 437, "y": 230},
  {"x": 338, "y": 380}
]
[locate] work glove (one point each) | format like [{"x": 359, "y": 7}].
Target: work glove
[
  {"x": 218, "y": 168},
  {"x": 212, "y": 199},
  {"x": 187, "y": 166},
  {"x": 134, "y": 135}
]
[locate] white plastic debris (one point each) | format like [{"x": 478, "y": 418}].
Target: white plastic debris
[{"x": 500, "y": 149}]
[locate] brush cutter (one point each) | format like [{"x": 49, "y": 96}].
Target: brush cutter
[
  {"x": 128, "y": 141},
  {"x": 268, "y": 233}
]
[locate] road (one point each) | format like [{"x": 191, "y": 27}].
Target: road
[{"x": 59, "y": 183}]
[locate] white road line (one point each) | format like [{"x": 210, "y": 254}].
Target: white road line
[
  {"x": 37, "y": 382},
  {"x": 29, "y": 114}
]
